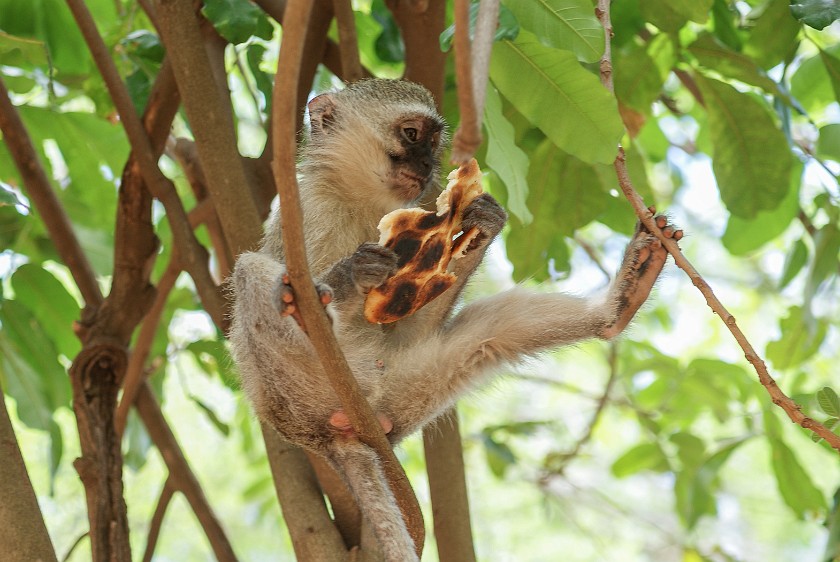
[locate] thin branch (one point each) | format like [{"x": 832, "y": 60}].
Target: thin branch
[
  {"x": 134, "y": 375},
  {"x": 157, "y": 518},
  {"x": 468, "y": 136},
  {"x": 193, "y": 255},
  {"x": 180, "y": 473},
  {"x": 347, "y": 41},
  {"x": 321, "y": 334},
  {"x": 791, "y": 408},
  {"x": 421, "y": 23},
  {"x": 40, "y": 191},
  {"x": 74, "y": 546}
]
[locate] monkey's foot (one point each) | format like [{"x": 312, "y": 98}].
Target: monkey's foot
[
  {"x": 643, "y": 262},
  {"x": 286, "y": 299},
  {"x": 341, "y": 424},
  {"x": 485, "y": 214},
  {"x": 370, "y": 265}
]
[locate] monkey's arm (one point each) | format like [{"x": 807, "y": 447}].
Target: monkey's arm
[{"x": 510, "y": 326}]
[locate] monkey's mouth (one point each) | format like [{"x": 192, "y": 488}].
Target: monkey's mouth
[{"x": 408, "y": 186}]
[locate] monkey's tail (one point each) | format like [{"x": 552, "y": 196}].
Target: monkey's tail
[{"x": 363, "y": 472}]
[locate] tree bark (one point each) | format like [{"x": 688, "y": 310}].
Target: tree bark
[{"x": 23, "y": 534}]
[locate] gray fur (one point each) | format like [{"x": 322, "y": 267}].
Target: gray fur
[{"x": 418, "y": 367}]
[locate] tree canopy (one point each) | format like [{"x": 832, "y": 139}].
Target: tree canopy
[{"x": 136, "y": 165}]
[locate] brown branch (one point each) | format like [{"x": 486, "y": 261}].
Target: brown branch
[
  {"x": 448, "y": 490},
  {"x": 211, "y": 121},
  {"x": 347, "y": 41},
  {"x": 421, "y": 23},
  {"x": 24, "y": 535},
  {"x": 346, "y": 514},
  {"x": 790, "y": 407},
  {"x": 193, "y": 255},
  {"x": 134, "y": 375},
  {"x": 157, "y": 518},
  {"x": 180, "y": 473},
  {"x": 468, "y": 136},
  {"x": 40, "y": 192},
  {"x": 323, "y": 340}
]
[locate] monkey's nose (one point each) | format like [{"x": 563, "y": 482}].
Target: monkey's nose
[{"x": 426, "y": 166}]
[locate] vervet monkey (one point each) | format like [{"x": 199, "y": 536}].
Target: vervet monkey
[{"x": 375, "y": 147}]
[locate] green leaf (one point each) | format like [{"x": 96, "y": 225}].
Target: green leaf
[
  {"x": 237, "y": 20},
  {"x": 564, "y": 24},
  {"x": 213, "y": 356},
  {"x": 818, "y": 14},
  {"x": 638, "y": 81},
  {"x": 264, "y": 80},
  {"x": 583, "y": 119},
  {"x": 671, "y": 15},
  {"x": 22, "y": 52},
  {"x": 507, "y": 27},
  {"x": 716, "y": 56},
  {"x": 646, "y": 456},
  {"x": 29, "y": 366},
  {"x": 223, "y": 428},
  {"x": 827, "y": 248},
  {"x": 795, "y": 484},
  {"x": 829, "y": 401},
  {"x": 143, "y": 46},
  {"x": 828, "y": 144},
  {"x": 52, "y": 305},
  {"x": 695, "y": 487},
  {"x": 564, "y": 195},
  {"x": 505, "y": 158},
  {"x": 751, "y": 158},
  {"x": 798, "y": 342},
  {"x": 832, "y": 66},
  {"x": 772, "y": 38},
  {"x": 811, "y": 84},
  {"x": 8, "y": 198},
  {"x": 726, "y": 20},
  {"x": 743, "y": 236},
  {"x": 794, "y": 262},
  {"x": 499, "y": 456}
]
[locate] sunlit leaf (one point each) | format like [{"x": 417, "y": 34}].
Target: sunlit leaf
[
  {"x": 772, "y": 37},
  {"x": 829, "y": 401},
  {"x": 718, "y": 57},
  {"x": 795, "y": 484},
  {"x": 799, "y": 341},
  {"x": 794, "y": 262},
  {"x": 52, "y": 305},
  {"x": 670, "y": 15},
  {"x": 565, "y": 24},
  {"x": 22, "y": 52},
  {"x": 583, "y": 119},
  {"x": 506, "y": 28},
  {"x": 646, "y": 456},
  {"x": 505, "y": 158},
  {"x": 751, "y": 159},
  {"x": 832, "y": 66},
  {"x": 499, "y": 456}
]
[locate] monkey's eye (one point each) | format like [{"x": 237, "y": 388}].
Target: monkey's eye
[{"x": 410, "y": 133}]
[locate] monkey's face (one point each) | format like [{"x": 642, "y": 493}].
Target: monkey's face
[{"x": 414, "y": 153}]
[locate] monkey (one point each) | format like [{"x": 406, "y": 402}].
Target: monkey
[{"x": 373, "y": 147}]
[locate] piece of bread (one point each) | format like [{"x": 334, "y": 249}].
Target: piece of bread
[{"x": 425, "y": 242}]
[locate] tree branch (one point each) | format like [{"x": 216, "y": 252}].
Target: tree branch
[
  {"x": 24, "y": 535},
  {"x": 421, "y": 23},
  {"x": 180, "y": 473},
  {"x": 211, "y": 121},
  {"x": 352, "y": 401},
  {"x": 157, "y": 519},
  {"x": 193, "y": 255},
  {"x": 40, "y": 191},
  {"x": 790, "y": 407},
  {"x": 350, "y": 65}
]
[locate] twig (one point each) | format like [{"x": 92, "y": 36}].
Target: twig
[
  {"x": 40, "y": 191},
  {"x": 347, "y": 41},
  {"x": 791, "y": 408},
  {"x": 75, "y": 545},
  {"x": 181, "y": 475},
  {"x": 157, "y": 518},
  {"x": 468, "y": 136},
  {"x": 134, "y": 375},
  {"x": 193, "y": 255},
  {"x": 323, "y": 340}
]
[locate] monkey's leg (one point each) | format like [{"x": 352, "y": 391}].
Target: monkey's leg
[{"x": 360, "y": 466}]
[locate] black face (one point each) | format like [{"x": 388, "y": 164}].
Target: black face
[{"x": 415, "y": 164}]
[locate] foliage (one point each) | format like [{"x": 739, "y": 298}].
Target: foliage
[{"x": 728, "y": 112}]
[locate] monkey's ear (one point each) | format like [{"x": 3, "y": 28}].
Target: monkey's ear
[{"x": 321, "y": 113}]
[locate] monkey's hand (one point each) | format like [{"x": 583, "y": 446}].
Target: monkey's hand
[
  {"x": 285, "y": 299},
  {"x": 371, "y": 265},
  {"x": 485, "y": 214},
  {"x": 643, "y": 261}
]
